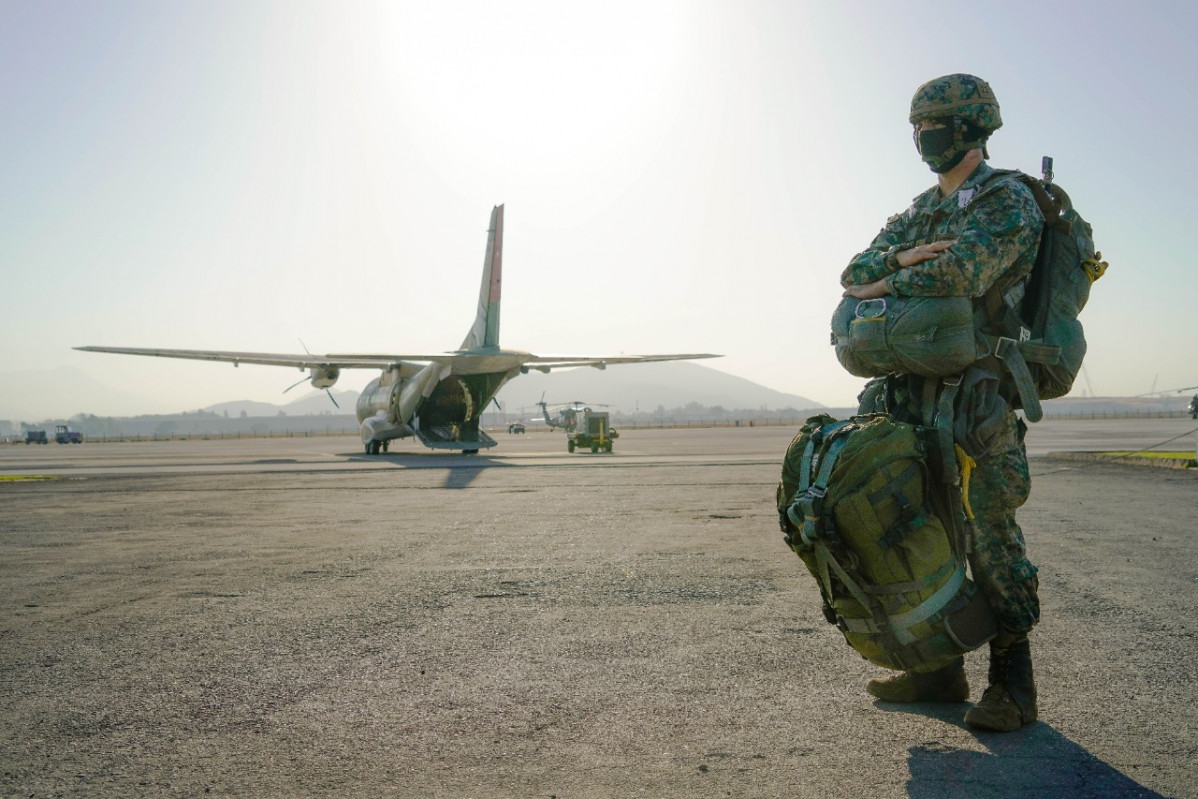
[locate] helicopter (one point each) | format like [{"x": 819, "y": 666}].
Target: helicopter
[
  {"x": 567, "y": 413},
  {"x": 585, "y": 428}
]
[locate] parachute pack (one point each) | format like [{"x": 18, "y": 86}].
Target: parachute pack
[
  {"x": 859, "y": 504},
  {"x": 1038, "y": 335}
]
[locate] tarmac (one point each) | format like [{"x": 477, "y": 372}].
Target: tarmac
[{"x": 288, "y": 617}]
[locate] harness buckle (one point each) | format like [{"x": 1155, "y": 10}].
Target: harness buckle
[{"x": 1003, "y": 345}]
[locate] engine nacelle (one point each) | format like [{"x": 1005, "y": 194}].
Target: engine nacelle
[{"x": 325, "y": 376}]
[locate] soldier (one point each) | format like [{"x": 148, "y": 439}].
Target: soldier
[{"x": 958, "y": 238}]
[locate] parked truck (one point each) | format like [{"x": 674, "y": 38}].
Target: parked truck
[
  {"x": 593, "y": 431},
  {"x": 65, "y": 435}
]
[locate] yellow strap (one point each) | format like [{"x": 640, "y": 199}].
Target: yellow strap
[
  {"x": 1095, "y": 267},
  {"x": 966, "y": 465}
]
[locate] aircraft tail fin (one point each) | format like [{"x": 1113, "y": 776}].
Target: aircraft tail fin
[{"x": 485, "y": 332}]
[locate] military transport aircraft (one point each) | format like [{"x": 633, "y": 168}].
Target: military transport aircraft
[{"x": 437, "y": 398}]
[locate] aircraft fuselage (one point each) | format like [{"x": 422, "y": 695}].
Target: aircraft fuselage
[{"x": 441, "y": 403}]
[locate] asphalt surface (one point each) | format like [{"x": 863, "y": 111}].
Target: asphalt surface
[{"x": 289, "y": 617}]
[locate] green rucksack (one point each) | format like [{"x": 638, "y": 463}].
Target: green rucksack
[{"x": 858, "y": 504}]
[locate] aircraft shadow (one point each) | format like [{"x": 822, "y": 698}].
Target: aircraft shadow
[
  {"x": 1037, "y": 762},
  {"x": 461, "y": 470}
]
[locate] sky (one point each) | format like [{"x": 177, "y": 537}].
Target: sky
[{"x": 677, "y": 177}]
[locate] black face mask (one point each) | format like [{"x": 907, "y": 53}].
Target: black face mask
[
  {"x": 941, "y": 148},
  {"x": 934, "y": 142},
  {"x": 944, "y": 147}
]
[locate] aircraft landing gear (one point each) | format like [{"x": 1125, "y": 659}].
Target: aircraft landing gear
[{"x": 373, "y": 447}]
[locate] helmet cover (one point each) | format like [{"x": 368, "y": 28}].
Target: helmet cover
[
  {"x": 968, "y": 110},
  {"x": 965, "y": 97}
]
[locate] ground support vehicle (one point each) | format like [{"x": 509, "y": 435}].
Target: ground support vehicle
[
  {"x": 593, "y": 431},
  {"x": 36, "y": 437},
  {"x": 65, "y": 435}
]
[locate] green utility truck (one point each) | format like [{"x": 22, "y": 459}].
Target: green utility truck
[{"x": 593, "y": 430}]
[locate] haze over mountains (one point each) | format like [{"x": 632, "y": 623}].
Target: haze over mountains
[
  {"x": 645, "y": 387},
  {"x": 625, "y": 388}
]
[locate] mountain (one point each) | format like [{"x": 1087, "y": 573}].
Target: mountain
[
  {"x": 313, "y": 404},
  {"x": 644, "y": 387}
]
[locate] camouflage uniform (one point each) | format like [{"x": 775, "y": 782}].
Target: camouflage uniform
[{"x": 996, "y": 226}]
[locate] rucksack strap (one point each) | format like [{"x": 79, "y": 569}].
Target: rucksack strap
[
  {"x": 899, "y": 626},
  {"x": 1008, "y": 350},
  {"x": 806, "y": 511},
  {"x": 929, "y": 607},
  {"x": 1050, "y": 204}
]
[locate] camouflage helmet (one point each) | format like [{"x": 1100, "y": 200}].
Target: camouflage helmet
[{"x": 962, "y": 96}]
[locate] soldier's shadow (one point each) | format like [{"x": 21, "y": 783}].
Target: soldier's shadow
[{"x": 1037, "y": 762}]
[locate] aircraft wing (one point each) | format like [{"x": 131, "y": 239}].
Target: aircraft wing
[
  {"x": 562, "y": 361},
  {"x": 381, "y": 361},
  {"x": 304, "y": 361},
  {"x": 515, "y": 358}
]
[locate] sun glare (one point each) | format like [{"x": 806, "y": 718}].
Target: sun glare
[{"x": 537, "y": 85}]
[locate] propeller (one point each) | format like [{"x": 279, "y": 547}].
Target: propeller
[
  {"x": 327, "y": 391},
  {"x": 310, "y": 376}
]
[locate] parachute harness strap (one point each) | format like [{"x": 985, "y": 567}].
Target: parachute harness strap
[
  {"x": 950, "y": 472},
  {"x": 1009, "y": 352}
]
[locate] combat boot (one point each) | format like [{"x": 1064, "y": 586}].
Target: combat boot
[
  {"x": 1010, "y": 701},
  {"x": 946, "y": 684}
]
